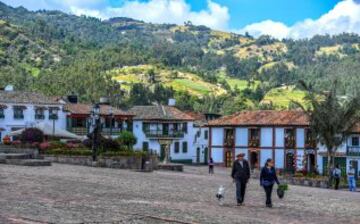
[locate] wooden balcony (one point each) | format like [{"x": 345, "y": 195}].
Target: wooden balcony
[
  {"x": 254, "y": 143},
  {"x": 164, "y": 135},
  {"x": 290, "y": 142},
  {"x": 310, "y": 144}
]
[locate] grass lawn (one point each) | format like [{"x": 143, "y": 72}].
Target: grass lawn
[
  {"x": 197, "y": 88},
  {"x": 281, "y": 97}
]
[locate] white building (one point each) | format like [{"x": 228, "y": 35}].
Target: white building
[
  {"x": 24, "y": 109},
  {"x": 283, "y": 136},
  {"x": 157, "y": 127},
  {"x": 201, "y": 138},
  {"x": 348, "y": 153}
]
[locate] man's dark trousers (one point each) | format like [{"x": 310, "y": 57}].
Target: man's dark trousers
[
  {"x": 240, "y": 190},
  {"x": 241, "y": 174}
]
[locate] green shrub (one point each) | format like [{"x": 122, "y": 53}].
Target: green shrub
[
  {"x": 283, "y": 187},
  {"x": 127, "y": 138},
  {"x": 123, "y": 153}
]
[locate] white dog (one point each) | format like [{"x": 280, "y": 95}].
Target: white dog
[{"x": 221, "y": 195}]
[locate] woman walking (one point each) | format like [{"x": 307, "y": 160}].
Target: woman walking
[{"x": 267, "y": 179}]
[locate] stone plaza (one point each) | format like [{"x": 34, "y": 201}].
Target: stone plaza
[{"x": 78, "y": 194}]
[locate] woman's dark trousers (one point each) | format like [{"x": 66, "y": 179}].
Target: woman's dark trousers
[
  {"x": 268, "y": 191},
  {"x": 337, "y": 181}
]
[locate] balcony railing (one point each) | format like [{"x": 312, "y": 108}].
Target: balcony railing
[
  {"x": 162, "y": 134},
  {"x": 108, "y": 131},
  {"x": 290, "y": 142},
  {"x": 255, "y": 142},
  {"x": 353, "y": 151},
  {"x": 310, "y": 144},
  {"x": 229, "y": 142}
]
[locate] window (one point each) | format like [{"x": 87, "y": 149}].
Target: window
[
  {"x": 206, "y": 134},
  {"x": 53, "y": 113},
  {"x": 39, "y": 113},
  {"x": 355, "y": 141},
  {"x": 184, "y": 147},
  {"x": 78, "y": 122},
  {"x": 146, "y": 127},
  {"x": 2, "y": 114},
  {"x": 146, "y": 146},
  {"x": 109, "y": 122},
  {"x": 177, "y": 147},
  {"x": 184, "y": 127},
  {"x": 18, "y": 112}
]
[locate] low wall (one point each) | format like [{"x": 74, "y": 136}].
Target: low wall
[
  {"x": 307, "y": 182},
  {"x": 120, "y": 162}
]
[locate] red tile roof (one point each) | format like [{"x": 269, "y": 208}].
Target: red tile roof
[
  {"x": 356, "y": 128},
  {"x": 159, "y": 112},
  {"x": 263, "y": 118},
  {"x": 84, "y": 109}
]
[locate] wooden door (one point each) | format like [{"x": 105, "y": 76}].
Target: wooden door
[{"x": 228, "y": 158}]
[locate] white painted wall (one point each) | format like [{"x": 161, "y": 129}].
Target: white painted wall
[
  {"x": 217, "y": 136},
  {"x": 300, "y": 137},
  {"x": 279, "y": 158},
  {"x": 299, "y": 160},
  {"x": 217, "y": 154},
  {"x": 200, "y": 142},
  {"x": 154, "y": 144},
  {"x": 264, "y": 155},
  {"x": 266, "y": 137},
  {"x": 241, "y": 138},
  {"x": 29, "y": 120},
  {"x": 279, "y": 137}
]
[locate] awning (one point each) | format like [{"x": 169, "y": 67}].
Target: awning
[{"x": 47, "y": 129}]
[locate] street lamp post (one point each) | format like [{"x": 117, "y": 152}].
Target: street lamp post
[
  {"x": 54, "y": 112},
  {"x": 111, "y": 114},
  {"x": 95, "y": 117}
]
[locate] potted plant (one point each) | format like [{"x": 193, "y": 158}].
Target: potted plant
[{"x": 281, "y": 190}]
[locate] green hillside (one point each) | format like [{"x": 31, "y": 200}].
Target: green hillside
[{"x": 133, "y": 62}]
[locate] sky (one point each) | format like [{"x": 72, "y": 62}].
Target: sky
[{"x": 278, "y": 18}]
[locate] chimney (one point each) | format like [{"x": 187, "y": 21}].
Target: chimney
[
  {"x": 172, "y": 102},
  {"x": 73, "y": 98},
  {"x": 9, "y": 88}
]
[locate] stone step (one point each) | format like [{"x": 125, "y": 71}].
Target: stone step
[
  {"x": 28, "y": 162},
  {"x": 9, "y": 156}
]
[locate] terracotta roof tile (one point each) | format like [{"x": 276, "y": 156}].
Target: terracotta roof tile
[
  {"x": 19, "y": 97},
  {"x": 199, "y": 118},
  {"x": 263, "y": 118},
  {"x": 159, "y": 112},
  {"x": 79, "y": 108}
]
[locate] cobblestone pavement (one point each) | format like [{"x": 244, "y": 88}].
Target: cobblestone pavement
[{"x": 77, "y": 194}]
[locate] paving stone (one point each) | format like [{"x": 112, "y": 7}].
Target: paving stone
[{"x": 76, "y": 194}]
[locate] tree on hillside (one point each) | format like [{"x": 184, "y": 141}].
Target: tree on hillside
[{"x": 331, "y": 117}]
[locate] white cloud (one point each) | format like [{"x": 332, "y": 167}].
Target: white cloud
[
  {"x": 164, "y": 11},
  {"x": 344, "y": 17}
]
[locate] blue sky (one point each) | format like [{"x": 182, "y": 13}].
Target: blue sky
[
  {"x": 245, "y": 12},
  {"x": 279, "y": 18}
]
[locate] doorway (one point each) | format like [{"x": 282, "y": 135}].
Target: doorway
[
  {"x": 162, "y": 152},
  {"x": 290, "y": 162},
  {"x": 198, "y": 155},
  {"x": 228, "y": 158},
  {"x": 311, "y": 163},
  {"x": 254, "y": 160},
  {"x": 206, "y": 151}
]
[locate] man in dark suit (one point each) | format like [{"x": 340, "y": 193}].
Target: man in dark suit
[{"x": 240, "y": 174}]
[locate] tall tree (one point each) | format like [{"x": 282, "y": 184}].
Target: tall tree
[{"x": 331, "y": 118}]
